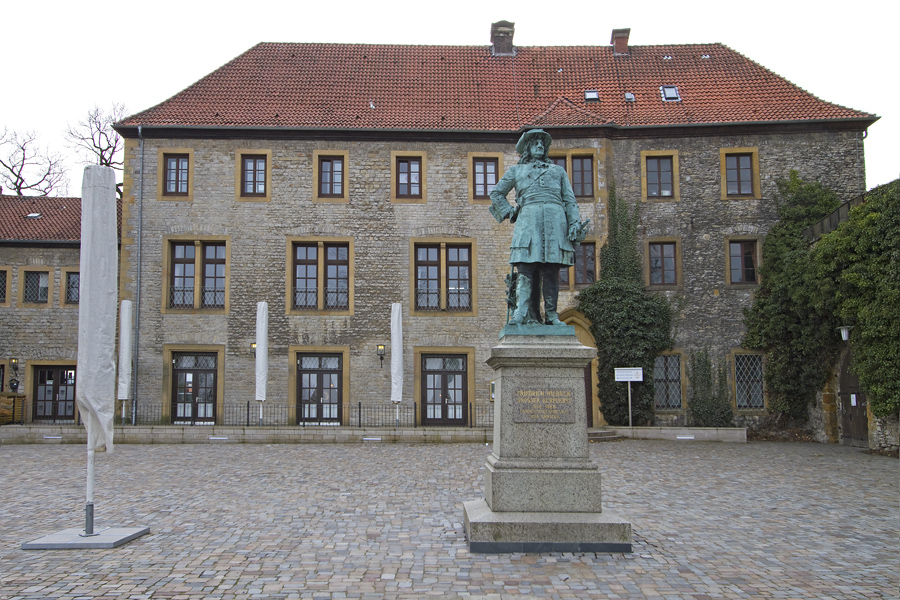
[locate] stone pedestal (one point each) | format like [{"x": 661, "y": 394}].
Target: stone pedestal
[{"x": 541, "y": 490}]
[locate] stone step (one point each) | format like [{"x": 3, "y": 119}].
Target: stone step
[{"x": 603, "y": 435}]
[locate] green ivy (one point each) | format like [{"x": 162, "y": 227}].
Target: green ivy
[
  {"x": 787, "y": 319},
  {"x": 858, "y": 268},
  {"x": 710, "y": 400},
  {"x": 631, "y": 327}
]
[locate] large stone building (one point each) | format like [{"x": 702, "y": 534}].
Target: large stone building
[{"x": 332, "y": 180}]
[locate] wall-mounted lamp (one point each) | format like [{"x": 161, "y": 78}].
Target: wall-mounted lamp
[
  {"x": 14, "y": 364},
  {"x": 845, "y": 332},
  {"x": 379, "y": 350},
  {"x": 253, "y": 347}
]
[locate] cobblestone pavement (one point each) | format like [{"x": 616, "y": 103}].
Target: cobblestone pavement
[{"x": 761, "y": 520}]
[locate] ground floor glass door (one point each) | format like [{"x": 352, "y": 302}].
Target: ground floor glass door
[
  {"x": 319, "y": 392},
  {"x": 54, "y": 394},
  {"x": 194, "y": 396},
  {"x": 444, "y": 399}
]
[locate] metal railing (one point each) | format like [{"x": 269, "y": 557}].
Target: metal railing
[{"x": 247, "y": 414}]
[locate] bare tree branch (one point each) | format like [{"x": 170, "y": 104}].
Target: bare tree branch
[
  {"x": 96, "y": 141},
  {"x": 26, "y": 169}
]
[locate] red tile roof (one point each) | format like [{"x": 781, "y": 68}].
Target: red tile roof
[
  {"x": 464, "y": 88},
  {"x": 59, "y": 219}
]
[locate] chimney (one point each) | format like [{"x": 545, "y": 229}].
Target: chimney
[
  {"x": 502, "y": 38},
  {"x": 619, "y": 41}
]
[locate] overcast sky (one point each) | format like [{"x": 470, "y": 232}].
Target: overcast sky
[{"x": 62, "y": 58}]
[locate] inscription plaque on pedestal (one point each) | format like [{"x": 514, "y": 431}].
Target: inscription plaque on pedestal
[{"x": 543, "y": 406}]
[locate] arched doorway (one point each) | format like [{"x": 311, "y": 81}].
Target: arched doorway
[
  {"x": 852, "y": 403},
  {"x": 583, "y": 334}
]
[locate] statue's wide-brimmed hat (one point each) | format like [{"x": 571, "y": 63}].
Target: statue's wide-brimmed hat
[{"x": 526, "y": 138}]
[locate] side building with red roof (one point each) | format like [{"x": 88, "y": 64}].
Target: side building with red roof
[
  {"x": 39, "y": 292},
  {"x": 334, "y": 180}
]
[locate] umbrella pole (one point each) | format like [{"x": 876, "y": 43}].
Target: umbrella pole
[{"x": 89, "y": 501}]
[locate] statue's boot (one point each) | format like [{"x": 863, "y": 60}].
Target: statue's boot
[
  {"x": 550, "y": 288},
  {"x": 523, "y": 297}
]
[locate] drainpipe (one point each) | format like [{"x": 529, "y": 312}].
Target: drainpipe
[{"x": 137, "y": 292}]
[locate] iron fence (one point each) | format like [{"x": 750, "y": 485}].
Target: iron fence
[{"x": 247, "y": 414}]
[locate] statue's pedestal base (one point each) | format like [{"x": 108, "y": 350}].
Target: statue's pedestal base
[
  {"x": 492, "y": 532},
  {"x": 542, "y": 492}
]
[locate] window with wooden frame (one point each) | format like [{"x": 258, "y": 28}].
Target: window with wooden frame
[
  {"x": 739, "y": 173},
  {"x": 443, "y": 279},
  {"x": 584, "y": 271},
  {"x": 485, "y": 170},
  {"x": 659, "y": 175},
  {"x": 749, "y": 388},
  {"x": 320, "y": 276},
  {"x": 175, "y": 174},
  {"x": 662, "y": 263},
  {"x": 583, "y": 176},
  {"x": 35, "y": 286},
  {"x": 197, "y": 274},
  {"x": 581, "y": 164},
  {"x": 253, "y": 174},
  {"x": 408, "y": 177},
  {"x": 743, "y": 262},
  {"x": 330, "y": 175}
]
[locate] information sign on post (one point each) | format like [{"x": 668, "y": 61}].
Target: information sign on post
[{"x": 629, "y": 374}]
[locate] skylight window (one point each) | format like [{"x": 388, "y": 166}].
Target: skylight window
[
  {"x": 629, "y": 97},
  {"x": 667, "y": 57},
  {"x": 591, "y": 96},
  {"x": 670, "y": 93},
  {"x": 34, "y": 215}
]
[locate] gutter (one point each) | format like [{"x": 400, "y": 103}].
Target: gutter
[{"x": 137, "y": 292}]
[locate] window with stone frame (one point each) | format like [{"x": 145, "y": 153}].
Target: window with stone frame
[
  {"x": 663, "y": 263},
  {"x": 485, "y": 174},
  {"x": 193, "y": 259},
  {"x": 73, "y": 287},
  {"x": 583, "y": 176},
  {"x": 331, "y": 177},
  {"x": 585, "y": 268},
  {"x": 253, "y": 174},
  {"x": 443, "y": 277},
  {"x": 37, "y": 287},
  {"x": 321, "y": 276},
  {"x": 742, "y": 261},
  {"x": 3, "y": 276},
  {"x": 409, "y": 177},
  {"x": 176, "y": 175},
  {"x": 660, "y": 182},
  {"x": 748, "y": 381},
  {"x": 739, "y": 174},
  {"x": 667, "y": 382}
]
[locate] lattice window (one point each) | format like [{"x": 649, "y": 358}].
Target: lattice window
[
  {"x": 2, "y": 286},
  {"x": 748, "y": 381},
  {"x": 667, "y": 382},
  {"x": 37, "y": 287},
  {"x": 73, "y": 285}
]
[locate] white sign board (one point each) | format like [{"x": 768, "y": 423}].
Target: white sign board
[{"x": 630, "y": 374}]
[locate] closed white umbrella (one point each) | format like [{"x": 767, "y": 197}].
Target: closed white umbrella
[
  {"x": 262, "y": 354},
  {"x": 125, "y": 349},
  {"x": 95, "y": 381}
]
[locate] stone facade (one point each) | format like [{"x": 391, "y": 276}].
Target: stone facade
[{"x": 258, "y": 237}]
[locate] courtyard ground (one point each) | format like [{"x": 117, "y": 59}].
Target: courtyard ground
[{"x": 330, "y": 521}]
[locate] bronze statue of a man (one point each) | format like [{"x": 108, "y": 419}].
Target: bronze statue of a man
[{"x": 548, "y": 226}]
